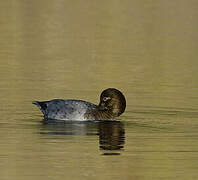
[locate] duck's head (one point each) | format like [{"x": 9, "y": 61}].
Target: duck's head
[{"x": 112, "y": 101}]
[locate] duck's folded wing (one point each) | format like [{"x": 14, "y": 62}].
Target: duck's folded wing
[{"x": 64, "y": 109}]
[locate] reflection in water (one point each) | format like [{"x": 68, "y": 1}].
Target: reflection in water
[
  {"x": 111, "y": 133},
  {"x": 55, "y": 127}
]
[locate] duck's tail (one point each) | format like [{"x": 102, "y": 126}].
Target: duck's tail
[{"x": 41, "y": 105}]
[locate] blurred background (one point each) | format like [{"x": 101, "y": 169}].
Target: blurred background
[{"x": 75, "y": 49}]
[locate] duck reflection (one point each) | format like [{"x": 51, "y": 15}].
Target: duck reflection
[
  {"x": 56, "y": 127},
  {"x": 111, "y": 135}
]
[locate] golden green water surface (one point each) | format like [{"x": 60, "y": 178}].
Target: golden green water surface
[{"x": 75, "y": 49}]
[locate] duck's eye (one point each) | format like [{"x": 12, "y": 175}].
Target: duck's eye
[{"x": 106, "y": 98}]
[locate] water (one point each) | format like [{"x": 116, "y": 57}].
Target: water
[{"x": 62, "y": 49}]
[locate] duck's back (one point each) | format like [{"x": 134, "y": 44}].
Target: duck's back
[{"x": 65, "y": 109}]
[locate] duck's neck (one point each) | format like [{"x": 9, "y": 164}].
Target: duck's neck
[
  {"x": 104, "y": 115},
  {"x": 99, "y": 114}
]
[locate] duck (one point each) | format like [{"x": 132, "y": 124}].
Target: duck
[{"x": 112, "y": 104}]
